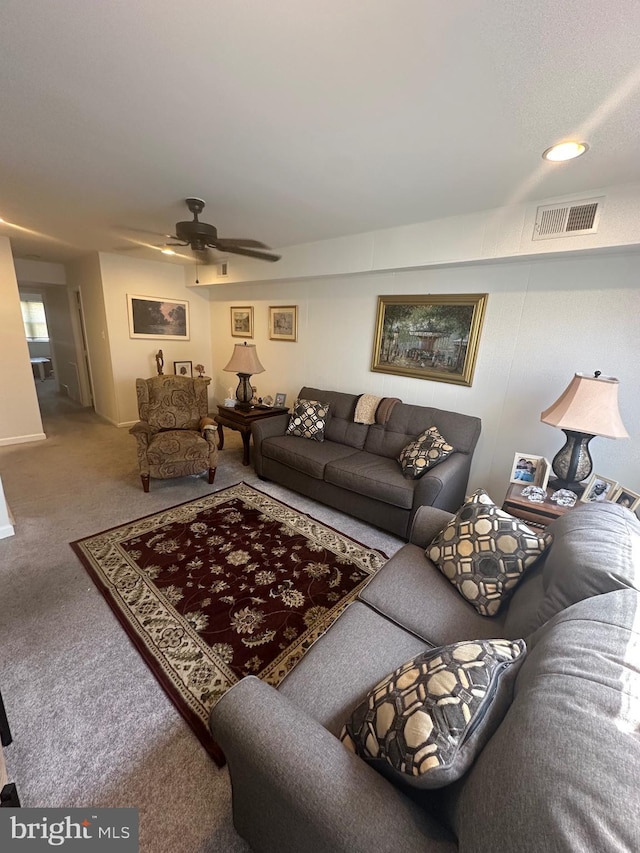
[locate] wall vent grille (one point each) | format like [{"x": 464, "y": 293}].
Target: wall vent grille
[
  {"x": 567, "y": 220},
  {"x": 223, "y": 269}
]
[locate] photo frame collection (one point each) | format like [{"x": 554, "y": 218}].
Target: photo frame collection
[{"x": 599, "y": 488}]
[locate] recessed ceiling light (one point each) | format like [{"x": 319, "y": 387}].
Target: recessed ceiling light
[
  {"x": 565, "y": 151},
  {"x": 167, "y": 251}
]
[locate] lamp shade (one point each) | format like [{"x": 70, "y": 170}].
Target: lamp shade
[
  {"x": 588, "y": 405},
  {"x": 244, "y": 360}
]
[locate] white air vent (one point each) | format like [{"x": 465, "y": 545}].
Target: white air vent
[
  {"x": 223, "y": 269},
  {"x": 567, "y": 219}
]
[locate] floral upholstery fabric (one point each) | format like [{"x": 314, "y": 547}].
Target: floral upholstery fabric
[{"x": 175, "y": 437}]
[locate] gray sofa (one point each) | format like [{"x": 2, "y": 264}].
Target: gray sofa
[
  {"x": 561, "y": 771},
  {"x": 356, "y": 470}
]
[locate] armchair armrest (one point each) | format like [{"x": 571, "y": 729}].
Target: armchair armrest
[
  {"x": 143, "y": 432},
  {"x": 296, "y": 787}
]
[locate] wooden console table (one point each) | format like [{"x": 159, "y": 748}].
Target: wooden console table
[
  {"x": 241, "y": 420},
  {"x": 539, "y": 514}
]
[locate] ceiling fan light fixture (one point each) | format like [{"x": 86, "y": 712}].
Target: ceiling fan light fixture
[{"x": 564, "y": 151}]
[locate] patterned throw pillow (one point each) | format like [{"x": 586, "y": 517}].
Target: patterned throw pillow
[
  {"x": 308, "y": 419},
  {"x": 428, "y": 449},
  {"x": 484, "y": 552},
  {"x": 430, "y": 718}
]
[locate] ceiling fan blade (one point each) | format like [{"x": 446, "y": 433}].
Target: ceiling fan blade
[
  {"x": 250, "y": 253},
  {"x": 223, "y": 242}
]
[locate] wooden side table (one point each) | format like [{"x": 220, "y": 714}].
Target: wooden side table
[
  {"x": 241, "y": 420},
  {"x": 538, "y": 514}
]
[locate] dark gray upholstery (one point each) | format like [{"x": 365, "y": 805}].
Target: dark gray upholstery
[
  {"x": 560, "y": 773},
  {"x": 356, "y": 468}
]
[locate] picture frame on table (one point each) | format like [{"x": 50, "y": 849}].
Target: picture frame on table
[
  {"x": 529, "y": 469},
  {"x": 625, "y": 497},
  {"x": 154, "y": 317},
  {"x": 241, "y": 321},
  {"x": 283, "y": 322},
  {"x": 598, "y": 488},
  {"x": 429, "y": 337},
  {"x": 183, "y": 368},
  {"x": 280, "y": 400}
]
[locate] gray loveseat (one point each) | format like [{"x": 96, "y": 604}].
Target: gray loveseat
[
  {"x": 356, "y": 470},
  {"x": 561, "y": 771}
]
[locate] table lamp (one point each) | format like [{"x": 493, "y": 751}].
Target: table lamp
[
  {"x": 586, "y": 408},
  {"x": 245, "y": 363}
]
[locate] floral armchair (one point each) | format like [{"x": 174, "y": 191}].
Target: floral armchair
[{"x": 175, "y": 436}]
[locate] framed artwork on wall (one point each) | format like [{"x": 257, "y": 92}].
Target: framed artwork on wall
[
  {"x": 429, "y": 337},
  {"x": 242, "y": 321},
  {"x": 183, "y": 368},
  {"x": 154, "y": 317},
  {"x": 283, "y": 322}
]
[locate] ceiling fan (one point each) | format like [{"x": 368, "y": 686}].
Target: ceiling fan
[{"x": 201, "y": 237}]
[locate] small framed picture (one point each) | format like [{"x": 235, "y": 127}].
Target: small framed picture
[
  {"x": 598, "y": 489},
  {"x": 280, "y": 400},
  {"x": 529, "y": 469},
  {"x": 625, "y": 497},
  {"x": 183, "y": 368},
  {"x": 283, "y": 322},
  {"x": 242, "y": 321}
]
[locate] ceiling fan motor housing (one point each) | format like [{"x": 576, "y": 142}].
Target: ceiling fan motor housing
[{"x": 194, "y": 231}]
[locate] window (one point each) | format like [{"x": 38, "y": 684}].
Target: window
[{"x": 34, "y": 318}]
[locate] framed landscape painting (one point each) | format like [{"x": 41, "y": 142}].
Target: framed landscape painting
[
  {"x": 283, "y": 322},
  {"x": 242, "y": 321},
  {"x": 429, "y": 337},
  {"x": 152, "y": 317}
]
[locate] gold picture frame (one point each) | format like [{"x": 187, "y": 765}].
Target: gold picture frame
[
  {"x": 283, "y": 322},
  {"x": 429, "y": 337},
  {"x": 241, "y": 321}
]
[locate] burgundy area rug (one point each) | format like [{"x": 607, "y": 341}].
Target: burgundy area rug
[{"x": 231, "y": 584}]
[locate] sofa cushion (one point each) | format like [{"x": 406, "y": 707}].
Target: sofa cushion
[
  {"x": 373, "y": 476},
  {"x": 431, "y": 716},
  {"x": 561, "y": 771},
  {"x": 429, "y": 448},
  {"x": 412, "y": 592},
  {"x": 484, "y": 552},
  {"x": 308, "y": 419},
  {"x": 308, "y": 457},
  {"x": 596, "y": 549},
  {"x": 341, "y": 426},
  {"x": 359, "y": 649}
]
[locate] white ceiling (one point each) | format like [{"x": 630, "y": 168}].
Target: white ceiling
[{"x": 300, "y": 121}]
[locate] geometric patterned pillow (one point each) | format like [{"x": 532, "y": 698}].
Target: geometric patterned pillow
[
  {"x": 308, "y": 419},
  {"x": 429, "y": 719},
  {"x": 484, "y": 552},
  {"x": 423, "y": 453}
]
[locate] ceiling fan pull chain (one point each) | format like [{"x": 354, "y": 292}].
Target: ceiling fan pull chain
[{"x": 197, "y": 282}]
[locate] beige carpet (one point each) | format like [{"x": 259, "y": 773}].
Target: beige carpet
[{"x": 91, "y": 724}]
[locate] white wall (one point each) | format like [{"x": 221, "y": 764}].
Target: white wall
[
  {"x": 546, "y": 319},
  {"x": 132, "y": 358},
  {"x": 19, "y": 413}
]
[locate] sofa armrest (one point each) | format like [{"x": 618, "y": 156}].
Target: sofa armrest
[
  {"x": 266, "y": 428},
  {"x": 444, "y": 486},
  {"x": 427, "y": 523},
  {"x": 296, "y": 787}
]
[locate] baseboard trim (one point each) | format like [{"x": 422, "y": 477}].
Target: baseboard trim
[
  {"x": 22, "y": 439},
  {"x": 6, "y": 530}
]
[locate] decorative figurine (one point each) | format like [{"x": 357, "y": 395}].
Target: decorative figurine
[
  {"x": 159, "y": 362},
  {"x": 200, "y": 369}
]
